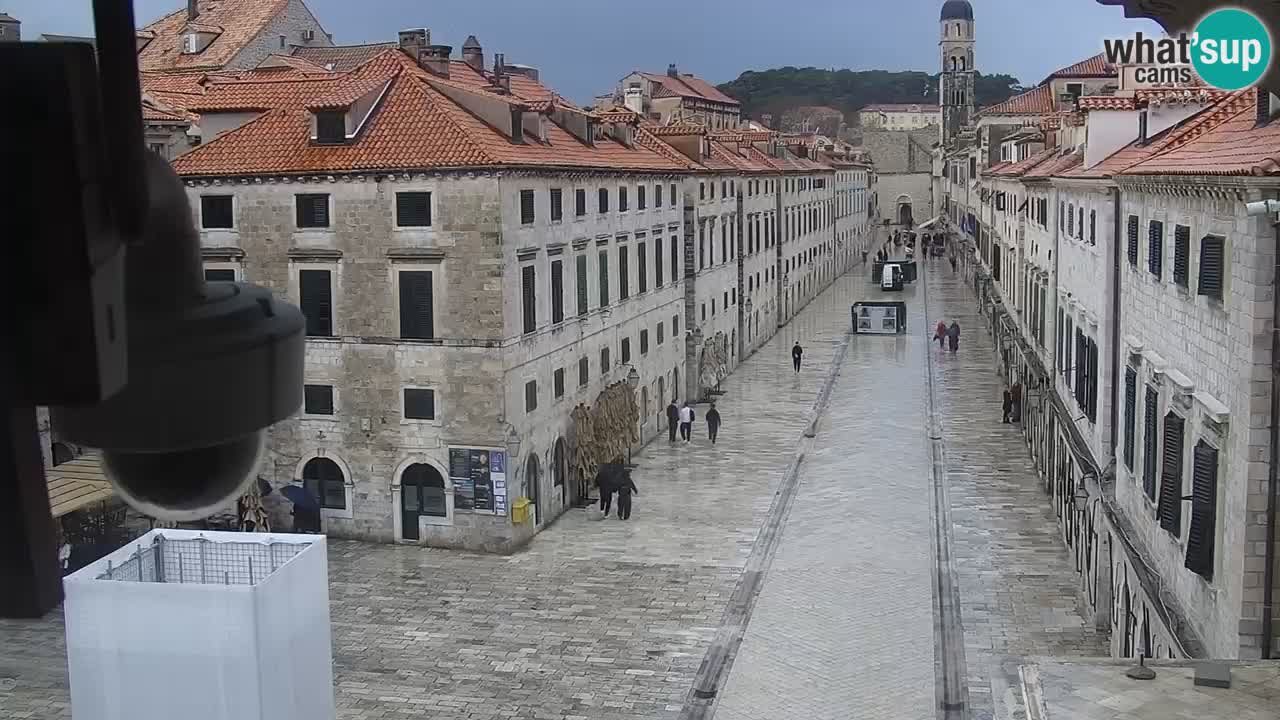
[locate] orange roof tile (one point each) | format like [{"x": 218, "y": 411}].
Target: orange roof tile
[
  {"x": 1094, "y": 67},
  {"x": 1228, "y": 142},
  {"x": 687, "y": 86},
  {"x": 1016, "y": 169},
  {"x": 682, "y": 129},
  {"x": 1036, "y": 101},
  {"x": 1108, "y": 102},
  {"x": 237, "y": 22},
  {"x": 1055, "y": 165},
  {"x": 341, "y": 57}
]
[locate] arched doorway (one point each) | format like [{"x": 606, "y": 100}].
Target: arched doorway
[
  {"x": 560, "y": 469},
  {"x": 532, "y": 483},
  {"x": 422, "y": 494},
  {"x": 324, "y": 481},
  {"x": 905, "y": 215}
]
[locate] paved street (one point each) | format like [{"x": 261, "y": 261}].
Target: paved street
[{"x": 611, "y": 619}]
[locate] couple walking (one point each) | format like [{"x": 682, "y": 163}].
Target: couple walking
[
  {"x": 949, "y": 335},
  {"x": 613, "y": 478},
  {"x": 685, "y": 416}
]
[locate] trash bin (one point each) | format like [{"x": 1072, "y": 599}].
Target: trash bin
[{"x": 520, "y": 511}]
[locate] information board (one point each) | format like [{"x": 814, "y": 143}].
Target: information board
[{"x": 475, "y": 486}]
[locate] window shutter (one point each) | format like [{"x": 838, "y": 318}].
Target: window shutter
[
  {"x": 624, "y": 273},
  {"x": 317, "y": 399},
  {"x": 316, "y": 295},
  {"x": 557, "y": 204},
  {"x": 1181, "y": 254},
  {"x": 602, "y": 197},
  {"x": 216, "y": 211},
  {"x": 1093, "y": 227},
  {"x": 529, "y": 297},
  {"x": 1093, "y": 381},
  {"x": 312, "y": 211},
  {"x": 581, "y": 285},
  {"x": 1170, "y": 507},
  {"x": 531, "y": 396},
  {"x": 1130, "y": 413},
  {"x": 584, "y": 370},
  {"x": 604, "y": 278},
  {"x": 1133, "y": 240},
  {"x": 417, "y": 317},
  {"x": 419, "y": 404},
  {"x": 557, "y": 291},
  {"x": 580, "y": 202},
  {"x": 1149, "y": 443},
  {"x": 1155, "y": 247},
  {"x": 642, "y": 266},
  {"x": 558, "y": 382},
  {"x": 1211, "y": 266},
  {"x": 1202, "y": 535},
  {"x": 526, "y": 207},
  {"x": 413, "y": 209},
  {"x": 657, "y": 259}
]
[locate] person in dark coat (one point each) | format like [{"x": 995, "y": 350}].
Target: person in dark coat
[
  {"x": 626, "y": 488},
  {"x": 673, "y": 421},
  {"x": 1008, "y": 406},
  {"x": 608, "y": 479},
  {"x": 797, "y": 353},
  {"x": 940, "y": 334},
  {"x": 713, "y": 423},
  {"x": 1015, "y": 396},
  {"x": 953, "y": 335}
]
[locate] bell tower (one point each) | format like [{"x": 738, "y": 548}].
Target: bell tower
[{"x": 956, "y": 86}]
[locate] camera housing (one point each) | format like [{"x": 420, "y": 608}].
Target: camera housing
[{"x": 1258, "y": 208}]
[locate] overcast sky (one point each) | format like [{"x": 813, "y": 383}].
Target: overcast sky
[{"x": 582, "y": 47}]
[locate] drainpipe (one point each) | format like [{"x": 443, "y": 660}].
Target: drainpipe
[
  {"x": 1115, "y": 320},
  {"x": 1268, "y": 575}
]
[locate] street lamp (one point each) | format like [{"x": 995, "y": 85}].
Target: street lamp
[{"x": 513, "y": 446}]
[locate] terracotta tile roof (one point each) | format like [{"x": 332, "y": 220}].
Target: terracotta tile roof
[
  {"x": 901, "y": 107},
  {"x": 358, "y": 86},
  {"x": 1036, "y": 101},
  {"x": 1108, "y": 102},
  {"x": 186, "y": 83},
  {"x": 1056, "y": 165},
  {"x": 1226, "y": 142},
  {"x": 237, "y": 23},
  {"x": 665, "y": 130},
  {"x": 342, "y": 57},
  {"x": 159, "y": 113},
  {"x": 1094, "y": 67},
  {"x": 281, "y": 62},
  {"x": 687, "y": 86},
  {"x": 414, "y": 127},
  {"x": 1189, "y": 95},
  {"x": 1018, "y": 168}
]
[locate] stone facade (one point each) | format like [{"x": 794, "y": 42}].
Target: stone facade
[{"x": 296, "y": 26}]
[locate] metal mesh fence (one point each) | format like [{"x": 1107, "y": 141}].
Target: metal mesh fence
[{"x": 202, "y": 560}]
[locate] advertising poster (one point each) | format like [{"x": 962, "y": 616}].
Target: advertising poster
[
  {"x": 498, "y": 474},
  {"x": 472, "y": 483}
]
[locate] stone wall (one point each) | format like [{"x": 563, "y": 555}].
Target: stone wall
[{"x": 291, "y": 24}]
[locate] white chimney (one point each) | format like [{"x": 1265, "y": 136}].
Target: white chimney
[{"x": 633, "y": 99}]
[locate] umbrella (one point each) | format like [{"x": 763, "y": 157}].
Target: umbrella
[{"x": 299, "y": 496}]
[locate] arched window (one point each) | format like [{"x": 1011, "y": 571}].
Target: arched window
[
  {"x": 962, "y": 63},
  {"x": 422, "y": 491},
  {"x": 323, "y": 479}
]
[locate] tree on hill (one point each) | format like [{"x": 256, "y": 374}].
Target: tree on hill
[{"x": 781, "y": 89}]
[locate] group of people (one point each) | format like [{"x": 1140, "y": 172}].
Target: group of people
[
  {"x": 947, "y": 334},
  {"x": 614, "y": 478},
  {"x": 682, "y": 417}
]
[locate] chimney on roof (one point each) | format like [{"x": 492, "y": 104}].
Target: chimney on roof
[
  {"x": 193, "y": 10},
  {"x": 1267, "y": 105},
  {"x": 413, "y": 40},
  {"x": 473, "y": 54},
  {"x": 435, "y": 59},
  {"x": 500, "y": 80},
  {"x": 672, "y": 71}
]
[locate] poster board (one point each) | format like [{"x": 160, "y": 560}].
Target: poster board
[
  {"x": 885, "y": 318},
  {"x": 479, "y": 480}
]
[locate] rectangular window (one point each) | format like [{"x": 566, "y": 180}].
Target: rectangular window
[
  {"x": 216, "y": 212},
  {"x": 604, "y": 278},
  {"x": 1202, "y": 535},
  {"x": 557, "y": 291},
  {"x": 675, "y": 326},
  {"x": 626, "y": 350},
  {"x": 657, "y": 196},
  {"x": 1093, "y": 227},
  {"x": 604, "y": 361},
  {"x": 1170, "y": 504},
  {"x": 644, "y": 342},
  {"x": 529, "y": 298},
  {"x": 526, "y": 207},
  {"x": 1181, "y": 254},
  {"x": 316, "y": 299},
  {"x": 662, "y": 333},
  {"x": 674, "y": 199},
  {"x": 1130, "y": 414},
  {"x": 1151, "y": 413},
  {"x": 657, "y": 261},
  {"x": 642, "y": 266},
  {"x": 312, "y": 210},
  {"x": 317, "y": 399},
  {"x": 602, "y": 201},
  {"x": 417, "y": 312},
  {"x": 702, "y": 191},
  {"x": 331, "y": 127},
  {"x": 1212, "y": 266},
  {"x": 1155, "y": 247},
  {"x": 624, "y": 273},
  {"x": 584, "y": 371},
  {"x": 1132, "y": 238},
  {"x": 419, "y": 404},
  {"x": 579, "y": 202},
  {"x": 558, "y": 383},
  {"x": 640, "y": 199},
  {"x": 622, "y": 199},
  {"x": 219, "y": 275},
  {"x": 557, "y": 205},
  {"x": 531, "y": 396},
  {"x": 1071, "y": 221},
  {"x": 582, "y": 284},
  {"x": 413, "y": 209}
]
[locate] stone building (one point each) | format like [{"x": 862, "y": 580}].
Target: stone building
[
  {"x": 227, "y": 35},
  {"x": 10, "y": 28},
  {"x": 476, "y": 256},
  {"x": 899, "y": 116},
  {"x": 675, "y": 98},
  {"x": 904, "y": 165}
]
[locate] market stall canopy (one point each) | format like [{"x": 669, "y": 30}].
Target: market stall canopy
[
  {"x": 935, "y": 220},
  {"x": 76, "y": 484}
]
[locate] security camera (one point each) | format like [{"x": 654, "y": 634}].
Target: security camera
[
  {"x": 210, "y": 365},
  {"x": 1263, "y": 207}
]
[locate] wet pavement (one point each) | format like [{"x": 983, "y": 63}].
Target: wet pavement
[{"x": 612, "y": 619}]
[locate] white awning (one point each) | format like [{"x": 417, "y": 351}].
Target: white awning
[
  {"x": 930, "y": 222},
  {"x": 76, "y": 484}
]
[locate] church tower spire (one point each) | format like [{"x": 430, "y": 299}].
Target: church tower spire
[{"x": 956, "y": 87}]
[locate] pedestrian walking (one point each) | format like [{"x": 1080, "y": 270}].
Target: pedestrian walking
[
  {"x": 953, "y": 264},
  {"x": 626, "y": 488},
  {"x": 797, "y": 353},
  {"x": 953, "y": 335},
  {"x": 1015, "y": 395},
  {"x": 673, "y": 420},
  {"x": 608, "y": 479},
  {"x": 1008, "y": 407},
  {"x": 940, "y": 334},
  {"x": 686, "y": 422},
  {"x": 713, "y": 423}
]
